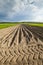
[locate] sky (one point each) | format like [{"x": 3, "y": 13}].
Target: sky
[{"x": 21, "y": 10}]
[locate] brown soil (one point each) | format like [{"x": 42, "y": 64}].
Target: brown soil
[{"x": 21, "y": 45}]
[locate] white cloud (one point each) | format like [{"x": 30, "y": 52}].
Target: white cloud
[
  {"x": 13, "y": 6},
  {"x": 38, "y": 16},
  {"x": 29, "y": 8}
]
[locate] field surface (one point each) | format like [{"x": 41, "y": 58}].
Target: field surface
[{"x": 21, "y": 45}]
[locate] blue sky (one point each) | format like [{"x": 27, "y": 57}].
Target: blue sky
[{"x": 21, "y": 10}]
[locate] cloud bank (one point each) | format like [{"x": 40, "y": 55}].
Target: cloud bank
[{"x": 18, "y": 10}]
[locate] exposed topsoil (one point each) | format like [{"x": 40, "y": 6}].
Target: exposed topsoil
[{"x": 21, "y": 45}]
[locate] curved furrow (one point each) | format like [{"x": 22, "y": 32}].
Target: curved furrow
[
  {"x": 31, "y": 57},
  {"x": 20, "y": 57},
  {"x": 15, "y": 34},
  {"x": 37, "y": 49},
  {"x": 4, "y": 59},
  {"x": 41, "y": 56},
  {"x": 36, "y": 56},
  {"x": 29, "y": 32},
  {"x": 20, "y": 51},
  {"x": 1, "y": 53},
  {"x": 36, "y": 38},
  {"x": 11, "y": 52},
  {"x": 30, "y": 51},
  {"x": 20, "y": 34},
  {"x": 1, "y": 57},
  {"x": 23, "y": 32},
  {"x": 25, "y": 35},
  {"x": 25, "y": 51},
  {"x": 7, "y": 37},
  {"x": 28, "y": 29},
  {"x": 41, "y": 48},
  {"x": 34, "y": 50},
  {"x": 9, "y": 58},
  {"x": 37, "y": 35}
]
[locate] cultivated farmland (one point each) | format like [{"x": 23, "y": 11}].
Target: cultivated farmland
[{"x": 21, "y": 44}]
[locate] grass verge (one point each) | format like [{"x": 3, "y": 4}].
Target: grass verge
[{"x": 5, "y": 25}]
